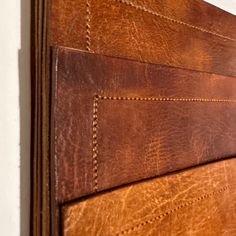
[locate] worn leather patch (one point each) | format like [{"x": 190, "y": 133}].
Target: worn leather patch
[
  {"x": 116, "y": 121},
  {"x": 185, "y": 33},
  {"x": 200, "y": 201}
]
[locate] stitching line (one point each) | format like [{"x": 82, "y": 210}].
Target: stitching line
[
  {"x": 142, "y": 8},
  {"x": 173, "y": 210},
  {"x": 160, "y": 99},
  {"x": 95, "y": 144},
  {"x": 88, "y": 27}
]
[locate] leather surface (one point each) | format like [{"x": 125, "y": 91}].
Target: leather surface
[
  {"x": 186, "y": 33},
  {"x": 199, "y": 202},
  {"x": 117, "y": 121}
]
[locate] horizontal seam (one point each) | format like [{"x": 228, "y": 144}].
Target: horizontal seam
[
  {"x": 145, "y": 9},
  {"x": 160, "y": 99},
  {"x": 173, "y": 210}
]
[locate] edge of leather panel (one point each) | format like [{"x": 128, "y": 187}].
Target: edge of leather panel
[
  {"x": 40, "y": 208},
  {"x": 114, "y": 196},
  {"x": 76, "y": 58}
]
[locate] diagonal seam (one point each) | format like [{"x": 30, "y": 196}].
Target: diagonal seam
[
  {"x": 175, "y": 209},
  {"x": 145, "y": 9}
]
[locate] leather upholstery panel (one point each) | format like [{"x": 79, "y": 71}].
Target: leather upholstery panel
[
  {"x": 65, "y": 17},
  {"x": 187, "y": 34},
  {"x": 117, "y": 121},
  {"x": 198, "y": 13},
  {"x": 196, "y": 202}
]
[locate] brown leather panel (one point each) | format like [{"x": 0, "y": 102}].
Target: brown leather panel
[
  {"x": 200, "y": 201},
  {"x": 147, "y": 28},
  {"x": 67, "y": 19},
  {"x": 117, "y": 121},
  {"x": 197, "y": 12},
  {"x": 188, "y": 34}
]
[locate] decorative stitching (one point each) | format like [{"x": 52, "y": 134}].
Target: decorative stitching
[
  {"x": 158, "y": 99},
  {"x": 167, "y": 99},
  {"x": 142, "y": 8},
  {"x": 95, "y": 144},
  {"x": 88, "y": 27},
  {"x": 173, "y": 210}
]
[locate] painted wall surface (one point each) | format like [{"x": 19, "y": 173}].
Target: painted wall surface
[
  {"x": 227, "y": 5},
  {"x": 15, "y": 113},
  {"x": 14, "y": 117}
]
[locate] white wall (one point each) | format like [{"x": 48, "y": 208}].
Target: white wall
[
  {"x": 14, "y": 117},
  {"x": 227, "y": 5},
  {"x": 15, "y": 113}
]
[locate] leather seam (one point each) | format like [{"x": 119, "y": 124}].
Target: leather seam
[
  {"x": 88, "y": 26},
  {"x": 160, "y": 99},
  {"x": 95, "y": 144},
  {"x": 175, "y": 209},
  {"x": 149, "y": 11}
]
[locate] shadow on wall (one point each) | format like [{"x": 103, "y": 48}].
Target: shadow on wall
[{"x": 25, "y": 113}]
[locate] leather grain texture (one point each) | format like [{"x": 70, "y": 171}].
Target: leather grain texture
[
  {"x": 186, "y": 33},
  {"x": 117, "y": 121},
  {"x": 197, "y": 202}
]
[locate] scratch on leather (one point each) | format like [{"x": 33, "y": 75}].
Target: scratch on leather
[
  {"x": 95, "y": 144},
  {"x": 145, "y": 9},
  {"x": 175, "y": 209},
  {"x": 55, "y": 112},
  {"x": 88, "y": 27}
]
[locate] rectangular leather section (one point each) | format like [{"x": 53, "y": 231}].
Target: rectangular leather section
[
  {"x": 187, "y": 33},
  {"x": 116, "y": 121},
  {"x": 197, "y": 202}
]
